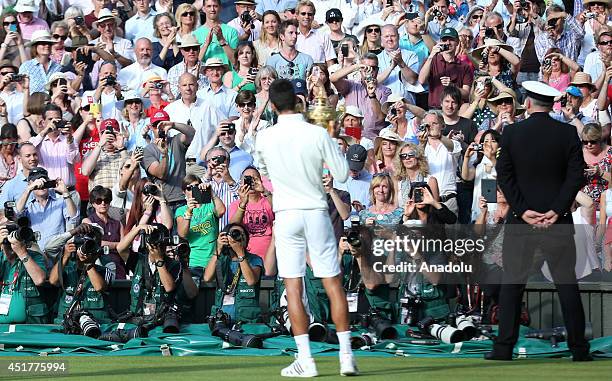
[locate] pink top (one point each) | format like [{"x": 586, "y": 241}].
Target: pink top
[
  {"x": 258, "y": 219},
  {"x": 31, "y": 27},
  {"x": 57, "y": 157}
]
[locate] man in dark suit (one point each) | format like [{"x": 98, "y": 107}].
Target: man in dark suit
[{"x": 540, "y": 170}]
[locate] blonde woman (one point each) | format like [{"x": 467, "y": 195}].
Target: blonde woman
[
  {"x": 383, "y": 209},
  {"x": 386, "y": 146},
  {"x": 413, "y": 168},
  {"x": 268, "y": 41},
  {"x": 187, "y": 19}
]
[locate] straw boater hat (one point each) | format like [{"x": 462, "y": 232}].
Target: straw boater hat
[
  {"x": 490, "y": 42},
  {"x": 105, "y": 15},
  {"x": 388, "y": 135},
  {"x": 214, "y": 62},
  {"x": 41, "y": 36},
  {"x": 582, "y": 78},
  {"x": 189, "y": 41},
  {"x": 54, "y": 77},
  {"x": 504, "y": 94},
  {"x": 606, "y": 2}
]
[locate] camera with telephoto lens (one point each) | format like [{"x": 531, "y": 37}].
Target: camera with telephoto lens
[
  {"x": 220, "y": 325},
  {"x": 21, "y": 230},
  {"x": 124, "y": 335},
  {"x": 353, "y": 237},
  {"x": 81, "y": 323},
  {"x": 363, "y": 340},
  {"x": 150, "y": 190},
  {"x": 375, "y": 322},
  {"x": 111, "y": 81},
  {"x": 464, "y": 323},
  {"x": 411, "y": 309},
  {"x": 558, "y": 334},
  {"x": 89, "y": 244},
  {"x": 171, "y": 319},
  {"x": 445, "y": 333}
]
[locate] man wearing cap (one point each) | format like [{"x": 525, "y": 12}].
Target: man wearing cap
[
  {"x": 190, "y": 50},
  {"x": 215, "y": 93},
  {"x": 132, "y": 76},
  {"x": 164, "y": 158},
  {"x": 540, "y": 171},
  {"x": 435, "y": 25},
  {"x": 442, "y": 68},
  {"x": 333, "y": 19},
  {"x": 102, "y": 164},
  {"x": 11, "y": 92},
  {"x": 50, "y": 213},
  {"x": 141, "y": 24},
  {"x": 289, "y": 62},
  {"x": 310, "y": 41},
  {"x": 288, "y": 13},
  {"x": 398, "y": 67},
  {"x": 28, "y": 23},
  {"x": 302, "y": 220},
  {"x": 358, "y": 182},
  {"x": 221, "y": 38},
  {"x": 121, "y": 49},
  {"x": 246, "y": 24},
  {"x": 562, "y": 31},
  {"x": 571, "y": 112}
]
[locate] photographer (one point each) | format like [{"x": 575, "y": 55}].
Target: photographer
[
  {"x": 571, "y": 102},
  {"x": 23, "y": 273},
  {"x": 50, "y": 214},
  {"x": 247, "y": 23},
  {"x": 82, "y": 280},
  {"x": 561, "y": 30},
  {"x": 156, "y": 276},
  {"x": 238, "y": 275},
  {"x": 198, "y": 221}
]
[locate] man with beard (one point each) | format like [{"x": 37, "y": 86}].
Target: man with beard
[{"x": 132, "y": 77}]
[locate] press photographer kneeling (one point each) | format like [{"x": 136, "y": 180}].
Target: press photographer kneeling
[
  {"x": 155, "y": 280},
  {"x": 22, "y": 272},
  {"x": 82, "y": 306},
  {"x": 238, "y": 275}
]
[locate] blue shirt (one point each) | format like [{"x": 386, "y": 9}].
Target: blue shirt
[
  {"x": 136, "y": 139},
  {"x": 51, "y": 219},
  {"x": 13, "y": 189},
  {"x": 239, "y": 160},
  {"x": 359, "y": 189},
  {"x": 266, "y": 5},
  {"x": 37, "y": 74},
  {"x": 291, "y": 69}
]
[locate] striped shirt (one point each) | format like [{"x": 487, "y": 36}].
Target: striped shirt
[
  {"x": 57, "y": 157},
  {"x": 569, "y": 43},
  {"x": 227, "y": 194}
]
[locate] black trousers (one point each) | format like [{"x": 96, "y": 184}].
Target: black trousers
[{"x": 559, "y": 251}]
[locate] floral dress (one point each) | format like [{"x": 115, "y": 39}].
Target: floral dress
[
  {"x": 596, "y": 184},
  {"x": 393, "y": 218}
]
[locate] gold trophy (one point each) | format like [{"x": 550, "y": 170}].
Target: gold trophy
[{"x": 322, "y": 114}]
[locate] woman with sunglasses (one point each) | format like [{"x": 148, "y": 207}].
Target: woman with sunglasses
[
  {"x": 186, "y": 17},
  {"x": 198, "y": 222},
  {"x": 268, "y": 41},
  {"x": 474, "y": 19},
  {"x": 8, "y": 164},
  {"x": 135, "y": 123},
  {"x": 371, "y": 40},
  {"x": 62, "y": 95},
  {"x": 413, "y": 168},
  {"x": 480, "y": 164},
  {"x": 383, "y": 209},
  {"x": 263, "y": 80},
  {"x": 59, "y": 31},
  {"x": 558, "y": 71},
  {"x": 248, "y": 125},
  {"x": 101, "y": 198},
  {"x": 598, "y": 156},
  {"x": 166, "y": 52},
  {"x": 507, "y": 109},
  {"x": 12, "y": 47},
  {"x": 242, "y": 75}
]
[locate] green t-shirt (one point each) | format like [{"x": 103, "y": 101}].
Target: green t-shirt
[
  {"x": 214, "y": 49},
  {"x": 17, "y": 307},
  {"x": 203, "y": 232}
]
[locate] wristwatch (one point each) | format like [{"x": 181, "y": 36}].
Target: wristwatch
[
  {"x": 25, "y": 259},
  {"x": 160, "y": 263},
  {"x": 241, "y": 259}
]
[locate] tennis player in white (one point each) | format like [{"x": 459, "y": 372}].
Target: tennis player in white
[{"x": 292, "y": 154}]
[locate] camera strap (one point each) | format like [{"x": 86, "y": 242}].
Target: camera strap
[
  {"x": 221, "y": 280},
  {"x": 353, "y": 271}
]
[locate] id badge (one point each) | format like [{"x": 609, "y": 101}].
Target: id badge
[
  {"x": 228, "y": 300},
  {"x": 149, "y": 309},
  {"x": 352, "y": 298},
  {"x": 5, "y": 303}
]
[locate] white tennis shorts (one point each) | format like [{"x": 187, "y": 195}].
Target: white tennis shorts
[{"x": 295, "y": 232}]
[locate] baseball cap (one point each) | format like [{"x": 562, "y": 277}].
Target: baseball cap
[
  {"x": 356, "y": 156},
  {"x": 574, "y": 91},
  {"x": 159, "y": 116},
  {"x": 333, "y": 14},
  {"x": 289, "y": 5},
  {"x": 299, "y": 86},
  {"x": 449, "y": 32},
  {"x": 112, "y": 123},
  {"x": 38, "y": 173}
]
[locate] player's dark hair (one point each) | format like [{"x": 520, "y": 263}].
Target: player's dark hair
[{"x": 282, "y": 95}]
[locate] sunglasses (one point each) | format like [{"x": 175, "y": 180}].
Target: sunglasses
[
  {"x": 246, "y": 105},
  {"x": 587, "y": 142},
  {"x": 498, "y": 26},
  {"x": 309, "y": 14},
  {"x": 477, "y": 17},
  {"x": 191, "y": 186},
  {"x": 7, "y": 23},
  {"x": 7, "y": 73},
  {"x": 232, "y": 132},
  {"x": 98, "y": 201},
  {"x": 191, "y": 49},
  {"x": 60, "y": 37},
  {"x": 190, "y": 14},
  {"x": 133, "y": 101},
  {"x": 107, "y": 25},
  {"x": 292, "y": 11},
  {"x": 373, "y": 30},
  {"x": 505, "y": 101},
  {"x": 605, "y": 43},
  {"x": 409, "y": 155},
  {"x": 333, "y": 21},
  {"x": 85, "y": 108}
]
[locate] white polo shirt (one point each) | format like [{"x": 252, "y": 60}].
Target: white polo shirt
[
  {"x": 316, "y": 44},
  {"x": 443, "y": 165}
]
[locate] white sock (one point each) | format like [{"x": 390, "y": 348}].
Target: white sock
[
  {"x": 344, "y": 339},
  {"x": 303, "y": 346}
]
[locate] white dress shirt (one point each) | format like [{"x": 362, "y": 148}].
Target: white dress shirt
[
  {"x": 443, "y": 165},
  {"x": 132, "y": 78}
]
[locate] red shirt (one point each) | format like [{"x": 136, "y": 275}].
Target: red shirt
[
  {"x": 152, "y": 110},
  {"x": 460, "y": 74},
  {"x": 88, "y": 143}
]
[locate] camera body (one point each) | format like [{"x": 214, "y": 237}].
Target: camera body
[
  {"x": 49, "y": 184},
  {"x": 245, "y": 17},
  {"x": 524, "y": 4},
  {"x": 79, "y": 20},
  {"x": 231, "y": 127},
  {"x": 375, "y": 322},
  {"x": 393, "y": 111},
  {"x": 485, "y": 58},
  {"x": 563, "y": 101},
  {"x": 437, "y": 14},
  {"x": 489, "y": 33},
  {"x": 249, "y": 181},
  {"x": 253, "y": 71},
  {"x": 590, "y": 15},
  {"x": 150, "y": 190},
  {"x": 111, "y": 81},
  {"x": 89, "y": 244},
  {"x": 158, "y": 85},
  {"x": 444, "y": 47},
  {"x": 478, "y": 147},
  {"x": 21, "y": 230},
  {"x": 219, "y": 160},
  {"x": 17, "y": 77},
  {"x": 353, "y": 236}
]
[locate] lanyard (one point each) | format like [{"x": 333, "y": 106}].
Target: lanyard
[
  {"x": 14, "y": 281},
  {"x": 231, "y": 288}
]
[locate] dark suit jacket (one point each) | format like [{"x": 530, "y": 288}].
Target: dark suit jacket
[{"x": 540, "y": 167}]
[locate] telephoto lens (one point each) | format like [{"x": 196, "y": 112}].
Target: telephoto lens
[
  {"x": 89, "y": 326},
  {"x": 124, "y": 335},
  {"x": 444, "y": 333},
  {"x": 171, "y": 320},
  {"x": 363, "y": 340},
  {"x": 465, "y": 324},
  {"x": 317, "y": 332}
]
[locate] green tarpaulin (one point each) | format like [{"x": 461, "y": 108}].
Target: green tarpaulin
[{"x": 196, "y": 339}]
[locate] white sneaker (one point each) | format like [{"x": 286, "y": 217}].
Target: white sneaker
[
  {"x": 348, "y": 367},
  {"x": 301, "y": 368}
]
